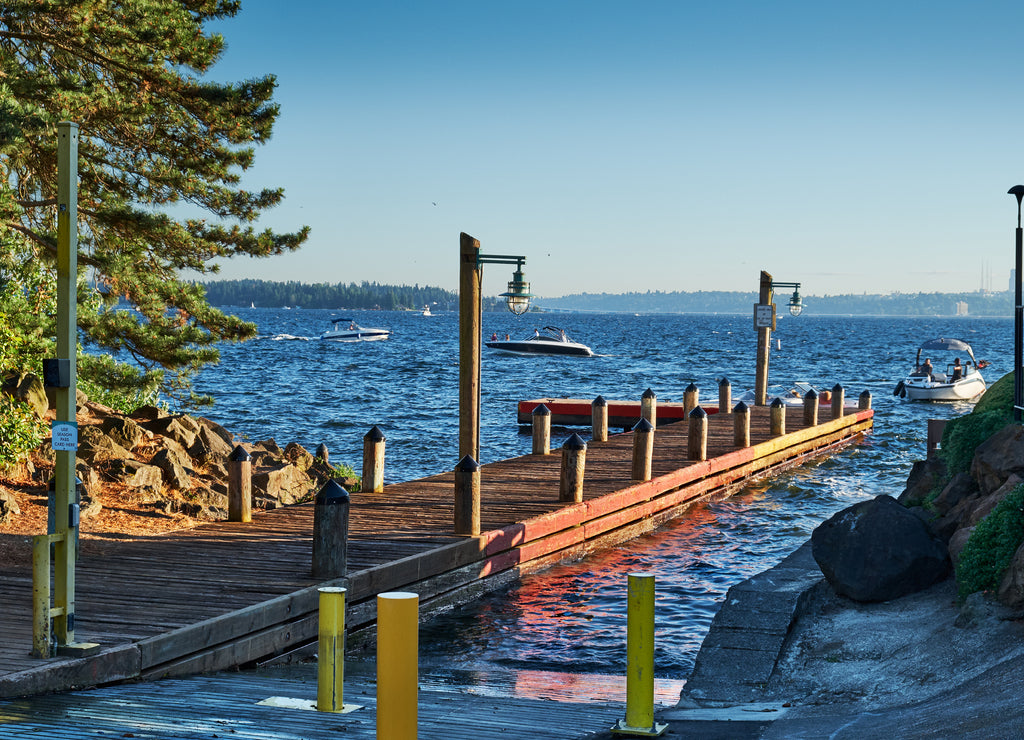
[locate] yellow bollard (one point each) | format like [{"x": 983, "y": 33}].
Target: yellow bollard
[
  {"x": 330, "y": 693},
  {"x": 640, "y": 660},
  {"x": 397, "y": 665}
]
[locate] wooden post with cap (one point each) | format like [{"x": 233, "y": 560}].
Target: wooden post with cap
[{"x": 239, "y": 485}]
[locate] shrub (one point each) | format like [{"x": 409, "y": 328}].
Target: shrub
[
  {"x": 991, "y": 546},
  {"x": 20, "y": 430},
  {"x": 998, "y": 396},
  {"x": 963, "y": 434}
]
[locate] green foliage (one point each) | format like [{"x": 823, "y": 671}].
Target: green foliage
[
  {"x": 322, "y": 295},
  {"x": 998, "y": 396},
  {"x": 20, "y": 430},
  {"x": 156, "y": 141},
  {"x": 963, "y": 435},
  {"x": 991, "y": 546}
]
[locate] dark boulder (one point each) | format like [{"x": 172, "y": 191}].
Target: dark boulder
[
  {"x": 925, "y": 476},
  {"x": 998, "y": 457},
  {"x": 878, "y": 550}
]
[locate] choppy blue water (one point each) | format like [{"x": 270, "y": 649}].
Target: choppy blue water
[{"x": 289, "y": 385}]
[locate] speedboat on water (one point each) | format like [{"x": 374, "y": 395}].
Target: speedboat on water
[
  {"x": 553, "y": 341},
  {"x": 947, "y": 379},
  {"x": 347, "y": 330}
]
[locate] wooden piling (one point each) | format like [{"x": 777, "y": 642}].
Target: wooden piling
[
  {"x": 330, "y": 531},
  {"x": 811, "y": 408},
  {"x": 724, "y": 396},
  {"x": 864, "y": 401},
  {"x": 599, "y": 416},
  {"x": 373, "y": 460},
  {"x": 697, "y": 439},
  {"x": 541, "y": 430},
  {"x": 239, "y": 486},
  {"x": 467, "y": 497},
  {"x": 643, "y": 450},
  {"x": 649, "y": 407},
  {"x": 741, "y": 425},
  {"x": 691, "y": 396},
  {"x": 574, "y": 460},
  {"x": 777, "y": 418},
  {"x": 838, "y": 400}
]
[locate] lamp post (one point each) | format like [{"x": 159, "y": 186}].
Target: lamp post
[
  {"x": 764, "y": 322},
  {"x": 517, "y": 298},
  {"x": 1018, "y": 314}
]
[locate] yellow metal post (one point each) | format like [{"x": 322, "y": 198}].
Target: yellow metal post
[
  {"x": 397, "y": 665},
  {"x": 41, "y": 596},
  {"x": 330, "y": 694},
  {"x": 640, "y": 660},
  {"x": 67, "y": 346}
]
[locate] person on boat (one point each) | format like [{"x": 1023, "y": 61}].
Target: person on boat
[
  {"x": 927, "y": 368},
  {"x": 507, "y": 337},
  {"x": 958, "y": 370},
  {"x": 494, "y": 337},
  {"x": 352, "y": 326},
  {"x": 536, "y": 333}
]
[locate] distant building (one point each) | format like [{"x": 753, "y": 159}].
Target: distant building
[{"x": 961, "y": 308}]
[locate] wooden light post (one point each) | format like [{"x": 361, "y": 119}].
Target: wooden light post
[
  {"x": 764, "y": 322},
  {"x": 517, "y": 298}
]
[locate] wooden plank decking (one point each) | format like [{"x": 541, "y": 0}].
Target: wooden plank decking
[{"x": 226, "y": 594}]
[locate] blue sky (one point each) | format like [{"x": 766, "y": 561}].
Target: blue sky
[{"x": 633, "y": 146}]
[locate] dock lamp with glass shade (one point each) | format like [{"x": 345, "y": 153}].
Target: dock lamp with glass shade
[
  {"x": 764, "y": 322},
  {"x": 517, "y": 299},
  {"x": 1018, "y": 315}
]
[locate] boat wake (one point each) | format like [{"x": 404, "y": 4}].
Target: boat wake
[{"x": 289, "y": 337}]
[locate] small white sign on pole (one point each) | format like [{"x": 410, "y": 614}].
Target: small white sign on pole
[
  {"x": 764, "y": 315},
  {"x": 65, "y": 436}
]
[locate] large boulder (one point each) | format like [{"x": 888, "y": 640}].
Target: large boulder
[
  {"x": 878, "y": 550},
  {"x": 998, "y": 457},
  {"x": 1011, "y": 589}
]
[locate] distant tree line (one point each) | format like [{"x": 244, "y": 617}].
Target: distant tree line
[
  {"x": 896, "y": 304},
  {"x": 365, "y": 295}
]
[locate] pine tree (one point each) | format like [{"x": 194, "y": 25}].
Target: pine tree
[{"x": 157, "y": 140}]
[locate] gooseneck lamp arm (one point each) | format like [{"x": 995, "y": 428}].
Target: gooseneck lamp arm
[{"x": 1018, "y": 314}]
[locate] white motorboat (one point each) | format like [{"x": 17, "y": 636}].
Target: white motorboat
[
  {"x": 426, "y": 310},
  {"x": 347, "y": 330},
  {"x": 553, "y": 341},
  {"x": 945, "y": 380}
]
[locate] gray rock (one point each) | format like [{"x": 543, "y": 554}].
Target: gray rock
[
  {"x": 924, "y": 476},
  {"x": 124, "y": 431},
  {"x": 298, "y": 456},
  {"x": 96, "y": 447},
  {"x": 182, "y": 429},
  {"x": 209, "y": 446},
  {"x": 9, "y": 508},
  {"x": 998, "y": 457},
  {"x": 280, "y": 486},
  {"x": 28, "y": 389},
  {"x": 174, "y": 469},
  {"x": 959, "y": 488},
  {"x": 877, "y": 550}
]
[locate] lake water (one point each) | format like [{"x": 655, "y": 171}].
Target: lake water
[{"x": 289, "y": 385}]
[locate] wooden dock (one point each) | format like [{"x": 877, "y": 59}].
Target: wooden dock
[{"x": 228, "y": 594}]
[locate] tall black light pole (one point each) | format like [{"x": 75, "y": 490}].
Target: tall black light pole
[{"x": 1018, "y": 314}]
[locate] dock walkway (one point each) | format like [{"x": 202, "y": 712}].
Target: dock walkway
[{"x": 228, "y": 594}]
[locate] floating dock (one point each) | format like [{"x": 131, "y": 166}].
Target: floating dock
[{"x": 229, "y": 594}]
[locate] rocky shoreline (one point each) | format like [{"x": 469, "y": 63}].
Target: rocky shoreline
[{"x": 174, "y": 464}]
